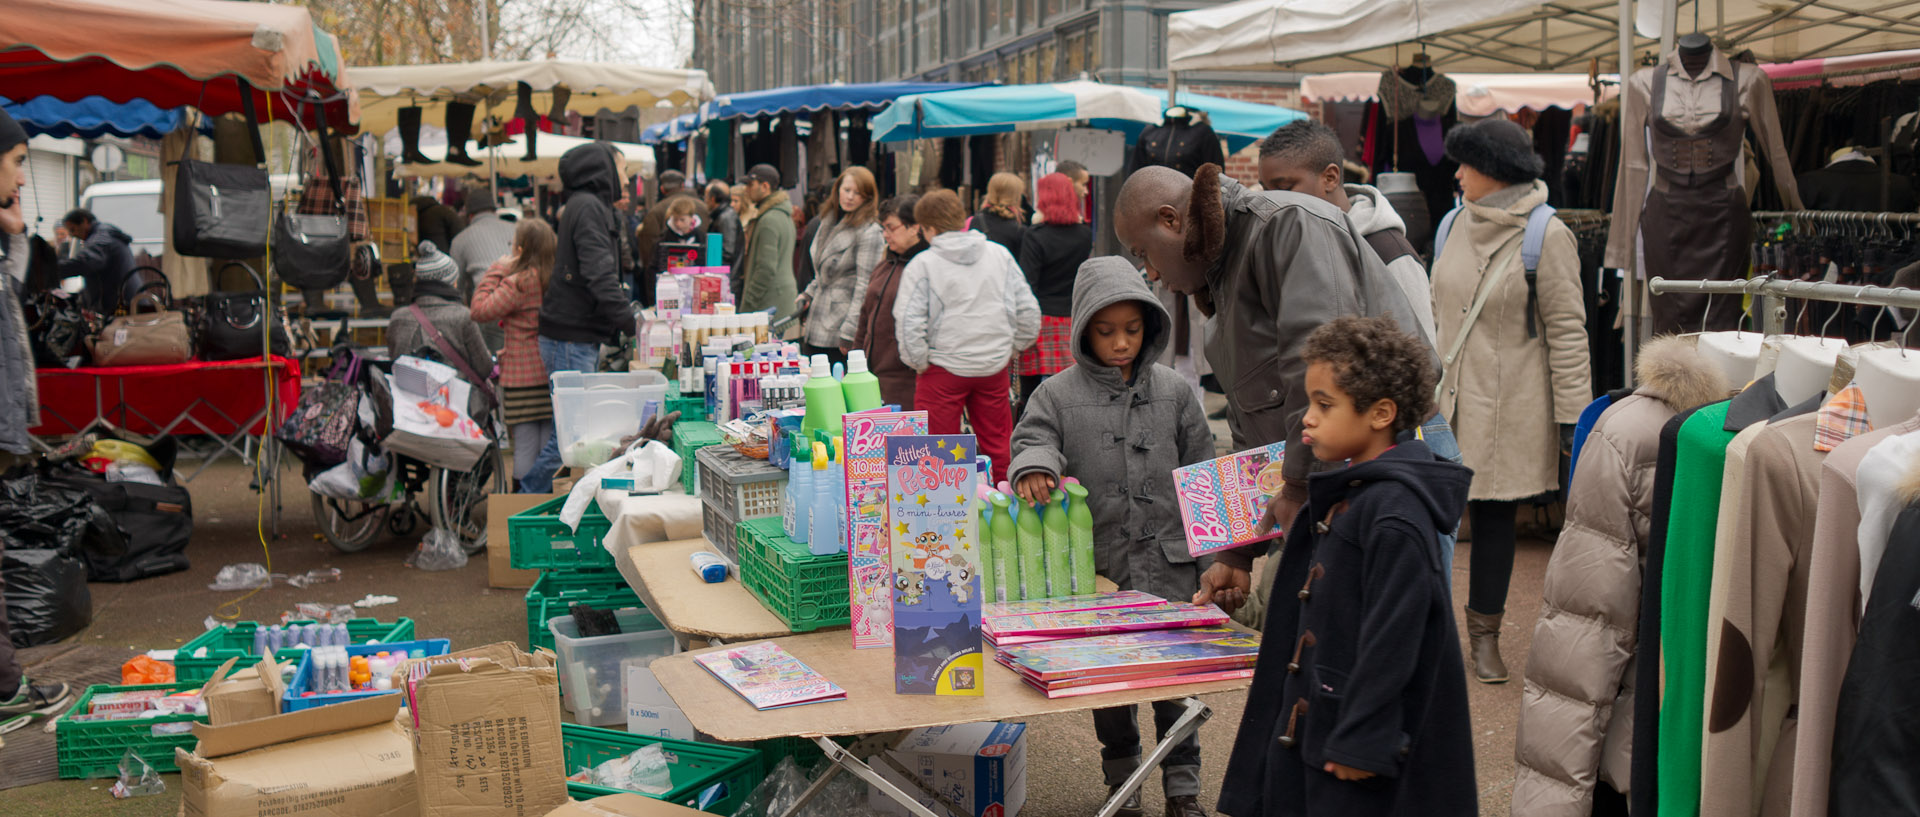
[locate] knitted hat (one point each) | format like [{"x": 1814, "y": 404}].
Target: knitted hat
[
  {"x": 10, "y": 132},
  {"x": 1498, "y": 149},
  {"x": 433, "y": 265}
]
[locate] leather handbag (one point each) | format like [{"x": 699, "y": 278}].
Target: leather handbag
[
  {"x": 156, "y": 338},
  {"x": 312, "y": 250},
  {"x": 230, "y": 327},
  {"x": 222, "y": 210}
]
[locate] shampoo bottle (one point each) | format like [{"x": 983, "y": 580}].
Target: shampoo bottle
[
  {"x": 1053, "y": 524},
  {"x": 1033, "y": 561},
  {"x": 982, "y": 510},
  {"x": 1080, "y": 539},
  {"x": 1006, "y": 551}
]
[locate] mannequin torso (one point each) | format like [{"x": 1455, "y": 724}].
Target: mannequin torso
[
  {"x": 1736, "y": 353},
  {"x": 1890, "y": 378},
  {"x": 1805, "y": 367}
]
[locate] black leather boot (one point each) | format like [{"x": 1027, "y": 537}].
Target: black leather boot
[
  {"x": 459, "y": 129},
  {"x": 410, "y": 138}
]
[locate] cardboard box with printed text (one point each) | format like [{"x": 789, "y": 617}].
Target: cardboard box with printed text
[
  {"x": 486, "y": 728},
  {"x": 345, "y": 760}
]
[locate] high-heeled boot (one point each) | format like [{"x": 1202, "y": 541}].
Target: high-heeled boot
[{"x": 459, "y": 128}]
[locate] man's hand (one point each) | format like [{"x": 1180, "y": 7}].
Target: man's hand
[
  {"x": 1035, "y": 488},
  {"x": 1347, "y": 773},
  {"x": 659, "y": 428},
  {"x": 1280, "y": 512},
  {"x": 13, "y": 219},
  {"x": 1226, "y": 586},
  {"x": 802, "y": 302}
]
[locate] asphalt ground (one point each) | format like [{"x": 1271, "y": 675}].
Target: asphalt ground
[{"x": 1063, "y": 764}]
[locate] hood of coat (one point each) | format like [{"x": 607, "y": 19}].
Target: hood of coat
[
  {"x": 1108, "y": 280},
  {"x": 1370, "y": 211},
  {"x": 1671, "y": 369},
  {"x": 1439, "y": 486},
  {"x": 589, "y": 169},
  {"x": 777, "y": 201},
  {"x": 112, "y": 232},
  {"x": 963, "y": 247}
]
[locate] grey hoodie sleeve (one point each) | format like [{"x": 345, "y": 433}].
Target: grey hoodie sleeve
[
  {"x": 1036, "y": 439},
  {"x": 1023, "y": 311}
]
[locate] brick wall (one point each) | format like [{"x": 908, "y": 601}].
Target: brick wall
[{"x": 1243, "y": 166}]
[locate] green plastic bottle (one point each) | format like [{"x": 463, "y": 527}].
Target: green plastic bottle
[
  {"x": 1054, "y": 526},
  {"x": 1080, "y": 540},
  {"x": 982, "y": 512},
  {"x": 1033, "y": 553},
  {"x": 1006, "y": 551},
  {"x": 825, "y": 401},
  {"x": 861, "y": 387}
]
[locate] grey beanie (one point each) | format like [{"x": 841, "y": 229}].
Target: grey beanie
[
  {"x": 430, "y": 264},
  {"x": 1497, "y": 148}
]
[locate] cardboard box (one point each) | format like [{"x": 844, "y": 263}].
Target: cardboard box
[
  {"x": 623, "y": 805},
  {"x": 249, "y": 694},
  {"x": 348, "y": 760},
  {"x": 650, "y": 710},
  {"x": 500, "y": 572},
  {"x": 981, "y": 766},
  {"x": 486, "y": 725}
]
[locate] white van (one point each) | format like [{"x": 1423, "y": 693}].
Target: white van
[{"x": 134, "y": 207}]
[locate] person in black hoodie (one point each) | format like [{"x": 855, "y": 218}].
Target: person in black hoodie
[
  {"x": 1359, "y": 698},
  {"x": 584, "y": 304},
  {"x": 104, "y": 258}
]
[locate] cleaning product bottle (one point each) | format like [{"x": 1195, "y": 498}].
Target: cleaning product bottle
[
  {"x": 1006, "y": 551},
  {"x": 800, "y": 483},
  {"x": 820, "y": 538},
  {"x": 862, "y": 388},
  {"x": 837, "y": 473},
  {"x": 1033, "y": 555},
  {"x": 1053, "y": 524},
  {"x": 825, "y": 401},
  {"x": 1080, "y": 539},
  {"x": 982, "y": 509}
]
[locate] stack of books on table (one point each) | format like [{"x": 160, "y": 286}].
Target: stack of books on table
[{"x": 1084, "y": 645}]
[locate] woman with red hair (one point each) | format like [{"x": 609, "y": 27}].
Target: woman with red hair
[{"x": 1051, "y": 256}]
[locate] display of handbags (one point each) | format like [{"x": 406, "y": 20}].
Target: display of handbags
[
  {"x": 222, "y": 210},
  {"x": 230, "y": 325},
  {"x": 155, "y": 338},
  {"x": 312, "y": 250},
  {"x": 320, "y": 428}
]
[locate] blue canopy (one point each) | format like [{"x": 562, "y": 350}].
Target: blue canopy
[
  {"x": 93, "y": 117},
  {"x": 809, "y": 98},
  {"x": 1005, "y": 108},
  {"x": 676, "y": 129}
]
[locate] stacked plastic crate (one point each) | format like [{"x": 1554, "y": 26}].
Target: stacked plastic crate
[{"x": 575, "y": 566}]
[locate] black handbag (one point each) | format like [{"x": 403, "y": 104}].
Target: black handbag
[
  {"x": 230, "y": 324},
  {"x": 312, "y": 250},
  {"x": 220, "y": 210}
]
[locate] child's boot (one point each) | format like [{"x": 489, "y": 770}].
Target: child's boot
[{"x": 1483, "y": 631}]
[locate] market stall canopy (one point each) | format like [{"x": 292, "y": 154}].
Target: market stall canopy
[
  {"x": 173, "y": 53},
  {"x": 809, "y": 98},
  {"x": 93, "y": 117},
  {"x": 1005, "y": 108},
  {"x": 676, "y": 129},
  {"x": 593, "y": 87},
  {"x": 1318, "y": 36},
  {"x": 1475, "y": 94},
  {"x": 509, "y": 158}
]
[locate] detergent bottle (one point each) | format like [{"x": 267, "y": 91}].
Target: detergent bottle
[
  {"x": 1080, "y": 539},
  {"x": 1053, "y": 524},
  {"x": 1006, "y": 552},
  {"x": 1033, "y": 561},
  {"x": 862, "y": 388},
  {"x": 825, "y": 401},
  {"x": 820, "y": 530},
  {"x": 800, "y": 491}
]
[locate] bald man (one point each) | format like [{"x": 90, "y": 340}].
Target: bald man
[{"x": 1270, "y": 267}]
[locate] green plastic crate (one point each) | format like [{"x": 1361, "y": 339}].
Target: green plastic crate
[
  {"x": 807, "y": 592},
  {"x": 689, "y": 438},
  {"x": 557, "y": 590},
  {"x": 94, "y": 748},
  {"x": 222, "y": 643},
  {"x": 537, "y": 539},
  {"x": 692, "y": 408},
  {"x": 694, "y": 767}
]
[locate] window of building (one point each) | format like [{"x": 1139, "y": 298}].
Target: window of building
[
  {"x": 1076, "y": 48},
  {"x": 1093, "y": 49},
  {"x": 1049, "y": 70}
]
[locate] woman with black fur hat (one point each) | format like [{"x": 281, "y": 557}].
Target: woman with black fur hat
[{"x": 1514, "y": 347}]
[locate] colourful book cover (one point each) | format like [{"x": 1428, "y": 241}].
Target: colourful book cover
[
  {"x": 869, "y": 568},
  {"x": 1066, "y": 604},
  {"x": 935, "y": 556},
  {"x": 1222, "y": 500},
  {"x": 769, "y": 677},
  {"x": 1142, "y": 683},
  {"x": 1178, "y": 651},
  {"x": 1101, "y": 622}
]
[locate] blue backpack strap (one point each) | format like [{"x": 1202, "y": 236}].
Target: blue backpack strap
[
  {"x": 1440, "y": 233},
  {"x": 1530, "y": 244}
]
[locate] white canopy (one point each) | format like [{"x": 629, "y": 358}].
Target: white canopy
[
  {"x": 1318, "y": 36},
  {"x": 508, "y": 159},
  {"x": 1475, "y": 94},
  {"x": 494, "y": 86}
]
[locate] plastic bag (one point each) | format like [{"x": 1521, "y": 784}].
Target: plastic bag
[
  {"x": 655, "y": 469},
  {"x": 143, "y": 670},
  {"x": 317, "y": 611},
  {"x": 242, "y": 576},
  {"x": 644, "y": 771},
  {"x": 441, "y": 550},
  {"x": 38, "y": 512},
  {"x": 843, "y": 796},
  {"x": 137, "y": 779},
  {"x": 46, "y": 596}
]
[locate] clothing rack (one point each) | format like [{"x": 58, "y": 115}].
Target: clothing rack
[
  {"x": 1836, "y": 217},
  {"x": 1774, "y": 292}
]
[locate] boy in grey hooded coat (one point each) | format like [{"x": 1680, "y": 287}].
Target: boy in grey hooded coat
[{"x": 1122, "y": 437}]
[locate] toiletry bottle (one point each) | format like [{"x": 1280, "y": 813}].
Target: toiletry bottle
[
  {"x": 1080, "y": 539},
  {"x": 801, "y": 478},
  {"x": 820, "y": 535},
  {"x": 825, "y": 401},
  {"x": 862, "y": 388},
  {"x": 1033, "y": 561},
  {"x": 1053, "y": 524},
  {"x": 1006, "y": 551}
]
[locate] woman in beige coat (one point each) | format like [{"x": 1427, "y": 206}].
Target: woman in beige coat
[{"x": 1518, "y": 373}]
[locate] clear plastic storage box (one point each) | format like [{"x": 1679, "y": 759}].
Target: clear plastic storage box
[
  {"x": 591, "y": 677},
  {"x": 593, "y": 412}
]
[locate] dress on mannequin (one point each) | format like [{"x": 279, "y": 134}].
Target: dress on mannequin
[
  {"x": 1183, "y": 141},
  {"x": 1418, "y": 104},
  {"x": 1681, "y": 193}
]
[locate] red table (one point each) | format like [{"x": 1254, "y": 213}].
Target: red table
[{"x": 225, "y": 400}]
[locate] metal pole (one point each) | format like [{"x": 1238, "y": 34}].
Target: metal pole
[
  {"x": 1669, "y": 22},
  {"x": 1629, "y": 286},
  {"x": 1173, "y": 87}
]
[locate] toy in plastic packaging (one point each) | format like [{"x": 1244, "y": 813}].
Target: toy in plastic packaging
[
  {"x": 137, "y": 778},
  {"x": 441, "y": 550},
  {"x": 241, "y": 576},
  {"x": 143, "y": 670}
]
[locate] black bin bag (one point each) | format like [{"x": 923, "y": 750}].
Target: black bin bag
[{"x": 46, "y": 595}]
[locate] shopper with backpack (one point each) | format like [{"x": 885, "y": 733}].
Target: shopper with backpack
[{"x": 1513, "y": 344}]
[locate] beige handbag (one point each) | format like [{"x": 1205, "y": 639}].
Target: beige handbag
[{"x": 155, "y": 338}]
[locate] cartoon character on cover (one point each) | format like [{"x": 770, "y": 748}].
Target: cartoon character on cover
[
  {"x": 912, "y": 585},
  {"x": 923, "y": 548},
  {"x": 960, "y": 582}
]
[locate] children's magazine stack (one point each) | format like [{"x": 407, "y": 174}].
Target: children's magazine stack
[{"x": 1082, "y": 645}]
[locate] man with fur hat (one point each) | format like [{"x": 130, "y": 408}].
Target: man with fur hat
[{"x": 1270, "y": 267}]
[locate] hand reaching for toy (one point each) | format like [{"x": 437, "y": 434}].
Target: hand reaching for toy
[{"x": 1036, "y": 488}]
